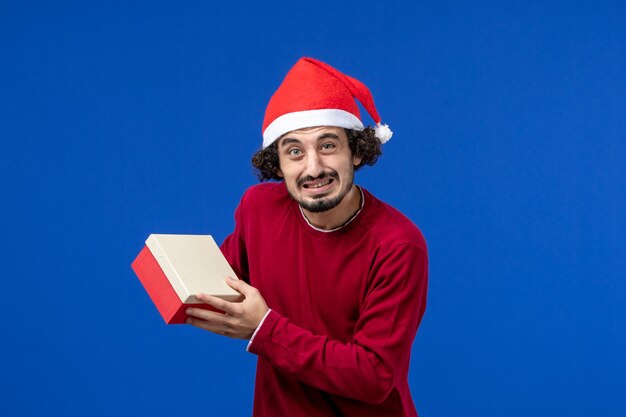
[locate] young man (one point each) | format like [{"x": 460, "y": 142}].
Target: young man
[{"x": 334, "y": 280}]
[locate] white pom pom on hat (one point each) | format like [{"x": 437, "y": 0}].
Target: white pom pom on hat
[
  {"x": 383, "y": 133},
  {"x": 315, "y": 94}
]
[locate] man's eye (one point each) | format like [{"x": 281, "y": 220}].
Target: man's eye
[
  {"x": 328, "y": 146},
  {"x": 294, "y": 152}
]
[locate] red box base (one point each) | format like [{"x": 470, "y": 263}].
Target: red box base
[{"x": 160, "y": 290}]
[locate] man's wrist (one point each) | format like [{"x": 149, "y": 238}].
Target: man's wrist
[{"x": 257, "y": 328}]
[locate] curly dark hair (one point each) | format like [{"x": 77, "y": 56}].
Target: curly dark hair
[{"x": 364, "y": 144}]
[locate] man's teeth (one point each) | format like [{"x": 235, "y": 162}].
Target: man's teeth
[{"x": 319, "y": 184}]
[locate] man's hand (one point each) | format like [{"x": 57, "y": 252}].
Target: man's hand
[{"x": 239, "y": 320}]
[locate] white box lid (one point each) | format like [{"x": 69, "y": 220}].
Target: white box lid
[{"x": 193, "y": 264}]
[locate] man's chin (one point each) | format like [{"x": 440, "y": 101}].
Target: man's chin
[{"x": 319, "y": 204}]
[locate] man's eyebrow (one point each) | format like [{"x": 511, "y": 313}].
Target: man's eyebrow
[
  {"x": 287, "y": 141},
  {"x": 328, "y": 135}
]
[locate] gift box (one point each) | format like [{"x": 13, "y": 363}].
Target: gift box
[{"x": 173, "y": 269}]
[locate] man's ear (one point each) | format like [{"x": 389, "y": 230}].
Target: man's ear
[
  {"x": 356, "y": 160},
  {"x": 280, "y": 173}
]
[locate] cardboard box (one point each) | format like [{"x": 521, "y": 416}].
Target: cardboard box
[{"x": 173, "y": 269}]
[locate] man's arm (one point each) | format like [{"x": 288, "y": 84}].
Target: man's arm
[{"x": 364, "y": 369}]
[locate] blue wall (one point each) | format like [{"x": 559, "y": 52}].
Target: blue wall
[{"x": 117, "y": 121}]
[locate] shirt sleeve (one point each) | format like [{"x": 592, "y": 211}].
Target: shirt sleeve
[
  {"x": 367, "y": 368},
  {"x": 257, "y": 329}
]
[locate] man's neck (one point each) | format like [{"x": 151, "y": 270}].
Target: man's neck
[{"x": 339, "y": 215}]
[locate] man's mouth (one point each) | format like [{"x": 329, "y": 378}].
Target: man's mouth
[{"x": 318, "y": 184}]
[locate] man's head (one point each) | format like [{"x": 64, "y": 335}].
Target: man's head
[
  {"x": 313, "y": 136},
  {"x": 318, "y": 163}
]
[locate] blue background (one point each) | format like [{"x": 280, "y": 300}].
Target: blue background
[{"x": 122, "y": 120}]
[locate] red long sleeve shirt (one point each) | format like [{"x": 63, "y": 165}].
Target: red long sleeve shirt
[{"x": 345, "y": 304}]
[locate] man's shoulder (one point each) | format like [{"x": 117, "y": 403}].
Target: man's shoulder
[
  {"x": 265, "y": 190},
  {"x": 266, "y": 194},
  {"x": 392, "y": 227}
]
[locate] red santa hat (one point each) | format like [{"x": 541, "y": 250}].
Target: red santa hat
[{"x": 315, "y": 94}]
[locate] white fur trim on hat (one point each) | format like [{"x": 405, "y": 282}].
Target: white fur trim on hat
[{"x": 309, "y": 118}]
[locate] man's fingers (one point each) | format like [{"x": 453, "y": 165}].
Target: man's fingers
[
  {"x": 239, "y": 285},
  {"x": 224, "y": 329},
  {"x": 212, "y": 327},
  {"x": 218, "y": 303},
  {"x": 207, "y": 315}
]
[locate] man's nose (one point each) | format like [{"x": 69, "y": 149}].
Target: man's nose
[{"x": 314, "y": 167}]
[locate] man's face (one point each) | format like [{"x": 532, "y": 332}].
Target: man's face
[{"x": 317, "y": 165}]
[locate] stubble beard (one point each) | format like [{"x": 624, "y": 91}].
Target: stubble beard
[{"x": 321, "y": 203}]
